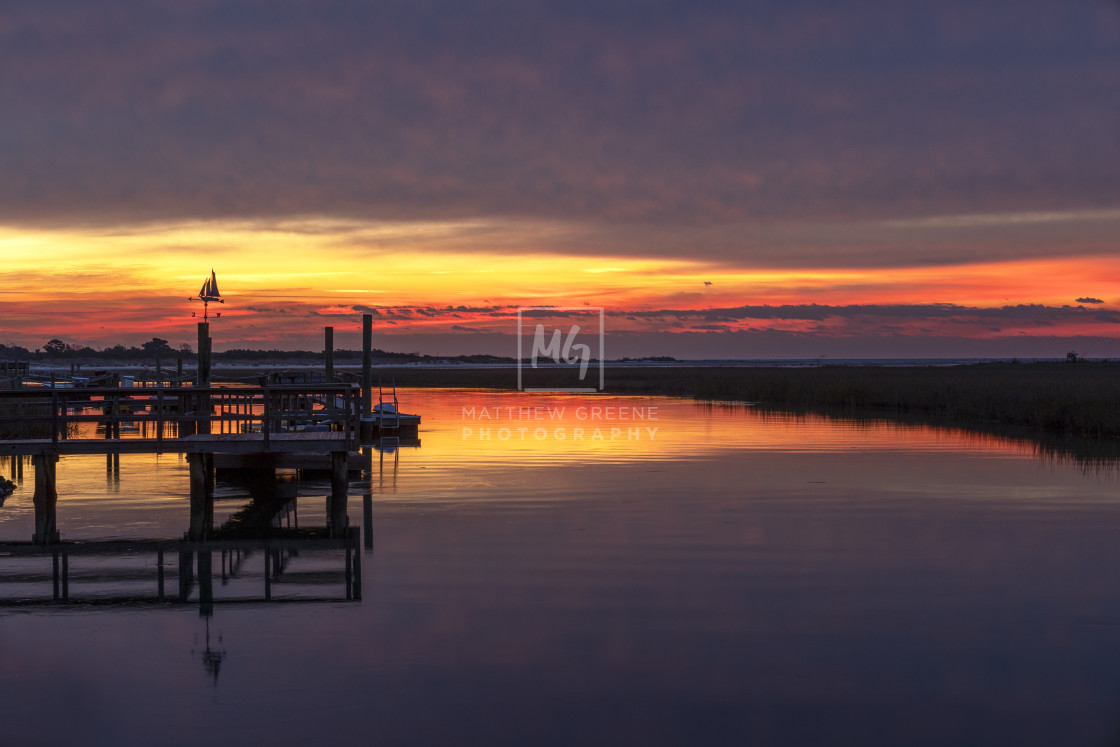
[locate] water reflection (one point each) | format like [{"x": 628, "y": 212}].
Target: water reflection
[
  {"x": 144, "y": 572},
  {"x": 738, "y": 577},
  {"x": 259, "y": 546},
  {"x": 1093, "y": 455}
]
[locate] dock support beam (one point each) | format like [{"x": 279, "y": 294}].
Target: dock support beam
[
  {"x": 202, "y": 496},
  {"x": 336, "y": 511},
  {"x": 46, "y": 500},
  {"x": 328, "y": 347}
]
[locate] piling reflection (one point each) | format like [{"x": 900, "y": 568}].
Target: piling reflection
[
  {"x": 144, "y": 572},
  {"x": 260, "y": 553}
]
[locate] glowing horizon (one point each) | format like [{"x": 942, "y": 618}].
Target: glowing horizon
[{"x": 142, "y": 292}]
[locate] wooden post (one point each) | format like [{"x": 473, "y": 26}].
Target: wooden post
[
  {"x": 367, "y": 363},
  {"x": 337, "y": 509},
  {"x": 45, "y": 500},
  {"x": 107, "y": 408},
  {"x": 202, "y": 496},
  {"x": 328, "y": 345},
  {"x": 205, "y": 584},
  {"x": 159, "y": 419},
  {"x": 349, "y": 572},
  {"x": 54, "y": 416},
  {"x": 266, "y": 417},
  {"x": 186, "y": 574},
  {"x": 159, "y": 572},
  {"x": 356, "y": 554},
  {"x": 267, "y": 573},
  {"x": 367, "y": 520},
  {"x": 203, "y": 424},
  {"x": 204, "y": 354}
]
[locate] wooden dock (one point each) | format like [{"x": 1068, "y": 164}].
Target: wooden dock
[
  {"x": 40, "y": 420},
  {"x": 256, "y": 428},
  {"x": 317, "y": 419}
]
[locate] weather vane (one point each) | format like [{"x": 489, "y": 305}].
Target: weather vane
[{"x": 209, "y": 294}]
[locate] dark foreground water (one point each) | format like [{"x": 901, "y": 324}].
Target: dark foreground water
[{"x": 728, "y": 578}]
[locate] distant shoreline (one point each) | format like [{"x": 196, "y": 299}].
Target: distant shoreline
[{"x": 352, "y": 362}]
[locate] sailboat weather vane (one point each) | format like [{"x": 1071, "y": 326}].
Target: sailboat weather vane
[{"x": 209, "y": 294}]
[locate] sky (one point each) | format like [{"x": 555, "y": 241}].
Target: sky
[{"x": 748, "y": 179}]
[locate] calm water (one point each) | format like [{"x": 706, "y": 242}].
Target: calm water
[{"x": 716, "y": 576}]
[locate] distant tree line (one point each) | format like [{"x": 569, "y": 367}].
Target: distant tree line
[
  {"x": 160, "y": 348},
  {"x": 55, "y": 348}
]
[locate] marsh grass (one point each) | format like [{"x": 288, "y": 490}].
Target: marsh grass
[
  {"x": 1075, "y": 399},
  {"x": 1080, "y": 399}
]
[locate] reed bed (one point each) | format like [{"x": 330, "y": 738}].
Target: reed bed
[
  {"x": 1078, "y": 399},
  {"x": 1081, "y": 399}
]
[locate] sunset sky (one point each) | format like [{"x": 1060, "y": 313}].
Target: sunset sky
[{"x": 750, "y": 179}]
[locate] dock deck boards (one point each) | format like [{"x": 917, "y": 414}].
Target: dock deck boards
[{"x": 216, "y": 443}]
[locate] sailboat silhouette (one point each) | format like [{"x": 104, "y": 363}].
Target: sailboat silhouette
[{"x": 209, "y": 293}]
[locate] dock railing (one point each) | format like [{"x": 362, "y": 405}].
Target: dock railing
[{"x": 59, "y": 414}]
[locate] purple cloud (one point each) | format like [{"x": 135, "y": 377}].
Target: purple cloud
[{"x": 669, "y": 116}]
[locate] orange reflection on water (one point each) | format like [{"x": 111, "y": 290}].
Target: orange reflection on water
[{"x": 470, "y": 427}]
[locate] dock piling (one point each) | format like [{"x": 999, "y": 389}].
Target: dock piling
[
  {"x": 202, "y": 496},
  {"x": 336, "y": 518},
  {"x": 45, "y": 500},
  {"x": 367, "y": 363},
  {"x": 367, "y": 520},
  {"x": 205, "y": 584},
  {"x": 203, "y": 425}
]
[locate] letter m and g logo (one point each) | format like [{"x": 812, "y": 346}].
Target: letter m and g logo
[{"x": 561, "y": 345}]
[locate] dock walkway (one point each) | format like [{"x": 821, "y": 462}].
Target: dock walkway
[
  {"x": 283, "y": 418},
  {"x": 321, "y": 420},
  {"x": 209, "y": 443}
]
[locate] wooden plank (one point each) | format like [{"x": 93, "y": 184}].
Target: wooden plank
[
  {"x": 278, "y": 405},
  {"x": 137, "y": 547},
  {"x": 228, "y": 443}
]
